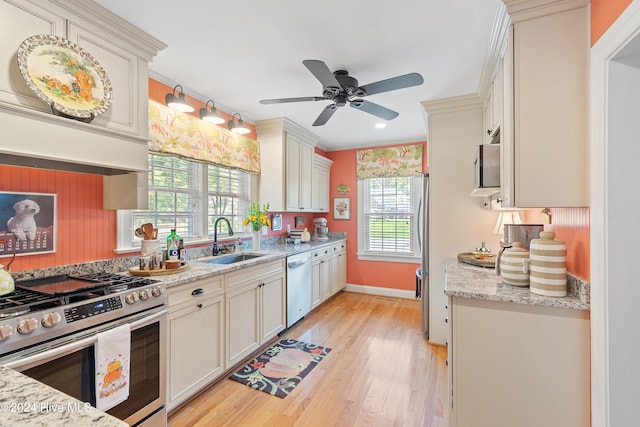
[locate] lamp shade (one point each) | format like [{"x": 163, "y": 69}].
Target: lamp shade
[
  {"x": 210, "y": 116},
  {"x": 506, "y": 217},
  {"x": 239, "y": 127},
  {"x": 178, "y": 102}
]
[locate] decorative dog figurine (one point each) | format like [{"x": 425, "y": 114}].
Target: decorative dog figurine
[{"x": 23, "y": 224}]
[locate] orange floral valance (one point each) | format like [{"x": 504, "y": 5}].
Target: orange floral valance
[
  {"x": 403, "y": 160},
  {"x": 179, "y": 134}
]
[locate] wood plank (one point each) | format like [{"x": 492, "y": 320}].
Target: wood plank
[{"x": 380, "y": 372}]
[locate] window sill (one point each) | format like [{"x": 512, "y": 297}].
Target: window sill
[
  {"x": 386, "y": 257},
  {"x": 188, "y": 242}
]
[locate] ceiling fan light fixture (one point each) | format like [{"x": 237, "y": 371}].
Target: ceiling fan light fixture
[
  {"x": 210, "y": 116},
  {"x": 239, "y": 127},
  {"x": 178, "y": 102}
]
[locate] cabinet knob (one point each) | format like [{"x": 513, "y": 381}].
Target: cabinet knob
[
  {"x": 446, "y": 319},
  {"x": 199, "y": 305},
  {"x": 446, "y": 306},
  {"x": 446, "y": 343},
  {"x": 446, "y": 362},
  {"x": 197, "y": 291}
]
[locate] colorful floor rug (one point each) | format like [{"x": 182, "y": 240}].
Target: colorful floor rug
[{"x": 279, "y": 369}]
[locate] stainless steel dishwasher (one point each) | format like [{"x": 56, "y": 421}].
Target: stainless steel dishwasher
[{"x": 298, "y": 287}]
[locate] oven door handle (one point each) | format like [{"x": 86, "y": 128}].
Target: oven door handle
[{"x": 73, "y": 346}]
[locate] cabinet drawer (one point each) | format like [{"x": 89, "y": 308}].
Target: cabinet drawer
[
  {"x": 321, "y": 252},
  {"x": 195, "y": 291},
  {"x": 249, "y": 274}
]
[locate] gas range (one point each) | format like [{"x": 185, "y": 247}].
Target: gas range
[{"x": 48, "y": 308}]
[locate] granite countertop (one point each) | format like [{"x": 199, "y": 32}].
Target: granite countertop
[
  {"x": 26, "y": 402},
  {"x": 200, "y": 269},
  {"x": 469, "y": 281}
]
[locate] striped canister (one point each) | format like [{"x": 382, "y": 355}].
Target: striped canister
[
  {"x": 514, "y": 265},
  {"x": 548, "y": 267}
]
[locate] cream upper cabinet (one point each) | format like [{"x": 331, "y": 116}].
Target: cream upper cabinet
[
  {"x": 320, "y": 183},
  {"x": 115, "y": 141},
  {"x": 286, "y": 160},
  {"x": 546, "y": 98}
]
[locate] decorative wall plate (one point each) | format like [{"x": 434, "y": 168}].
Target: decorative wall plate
[{"x": 64, "y": 75}]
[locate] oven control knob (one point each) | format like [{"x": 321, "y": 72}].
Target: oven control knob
[
  {"x": 27, "y": 326},
  {"x": 144, "y": 295},
  {"x": 50, "y": 320},
  {"x": 5, "y": 332},
  {"x": 131, "y": 298},
  {"x": 156, "y": 291}
]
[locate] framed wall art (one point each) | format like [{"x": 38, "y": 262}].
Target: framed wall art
[
  {"x": 27, "y": 223},
  {"x": 341, "y": 208}
]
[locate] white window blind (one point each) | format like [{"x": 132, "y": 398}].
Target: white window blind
[
  {"x": 389, "y": 215},
  {"x": 189, "y": 196}
]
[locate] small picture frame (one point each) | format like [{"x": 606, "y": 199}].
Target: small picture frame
[{"x": 342, "y": 208}]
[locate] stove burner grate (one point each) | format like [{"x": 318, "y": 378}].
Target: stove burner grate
[{"x": 20, "y": 302}]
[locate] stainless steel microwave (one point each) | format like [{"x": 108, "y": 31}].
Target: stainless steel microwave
[{"x": 487, "y": 170}]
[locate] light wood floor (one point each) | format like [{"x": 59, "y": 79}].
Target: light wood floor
[{"x": 380, "y": 372}]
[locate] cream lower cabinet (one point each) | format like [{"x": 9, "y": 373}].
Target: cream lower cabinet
[
  {"x": 256, "y": 308},
  {"x": 320, "y": 287},
  {"x": 196, "y": 337},
  {"x": 338, "y": 268},
  {"x": 518, "y": 365}
]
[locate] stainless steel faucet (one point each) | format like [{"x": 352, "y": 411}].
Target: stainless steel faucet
[{"x": 216, "y": 251}]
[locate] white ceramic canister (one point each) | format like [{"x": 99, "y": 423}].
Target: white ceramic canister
[
  {"x": 548, "y": 269},
  {"x": 514, "y": 265}
]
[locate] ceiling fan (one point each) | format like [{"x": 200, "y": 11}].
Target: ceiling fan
[{"x": 340, "y": 88}]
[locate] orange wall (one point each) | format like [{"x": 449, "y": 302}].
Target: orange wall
[
  {"x": 158, "y": 91},
  {"x": 603, "y": 14},
  {"x": 369, "y": 273},
  {"x": 85, "y": 232}
]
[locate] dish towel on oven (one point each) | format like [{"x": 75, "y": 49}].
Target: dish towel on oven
[{"x": 113, "y": 353}]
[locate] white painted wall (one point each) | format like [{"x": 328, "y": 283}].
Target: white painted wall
[
  {"x": 458, "y": 222},
  {"x": 615, "y": 153}
]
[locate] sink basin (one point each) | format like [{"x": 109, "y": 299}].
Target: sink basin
[{"x": 231, "y": 259}]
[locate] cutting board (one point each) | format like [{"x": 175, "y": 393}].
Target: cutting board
[
  {"x": 468, "y": 258},
  {"x": 135, "y": 271}
]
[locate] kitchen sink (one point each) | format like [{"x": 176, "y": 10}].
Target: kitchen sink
[{"x": 231, "y": 259}]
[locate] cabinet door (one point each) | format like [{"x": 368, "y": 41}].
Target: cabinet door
[
  {"x": 195, "y": 348},
  {"x": 122, "y": 67},
  {"x": 315, "y": 283},
  {"x": 325, "y": 286},
  {"x": 333, "y": 274},
  {"x": 273, "y": 306},
  {"x": 293, "y": 183},
  {"x": 243, "y": 328},
  {"x": 550, "y": 108},
  {"x": 305, "y": 167},
  {"x": 342, "y": 270},
  {"x": 506, "y": 139},
  {"x": 19, "y": 22}
]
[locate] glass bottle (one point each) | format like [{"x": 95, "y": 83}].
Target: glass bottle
[{"x": 173, "y": 241}]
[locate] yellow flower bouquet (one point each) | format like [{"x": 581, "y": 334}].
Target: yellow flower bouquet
[{"x": 257, "y": 217}]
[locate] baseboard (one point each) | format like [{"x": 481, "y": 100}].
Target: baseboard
[{"x": 386, "y": 292}]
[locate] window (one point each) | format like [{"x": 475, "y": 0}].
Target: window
[
  {"x": 188, "y": 196},
  {"x": 387, "y": 218}
]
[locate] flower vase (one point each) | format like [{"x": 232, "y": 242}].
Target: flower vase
[{"x": 255, "y": 240}]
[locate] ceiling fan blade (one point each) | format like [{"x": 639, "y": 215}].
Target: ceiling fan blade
[
  {"x": 320, "y": 70},
  {"x": 394, "y": 83},
  {"x": 281, "y": 100},
  {"x": 325, "y": 115},
  {"x": 375, "y": 109}
]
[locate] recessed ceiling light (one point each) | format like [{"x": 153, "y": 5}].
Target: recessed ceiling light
[{"x": 381, "y": 125}]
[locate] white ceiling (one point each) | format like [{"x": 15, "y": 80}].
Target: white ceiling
[{"x": 239, "y": 52}]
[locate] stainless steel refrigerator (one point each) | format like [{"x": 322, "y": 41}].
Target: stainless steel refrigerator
[{"x": 422, "y": 274}]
